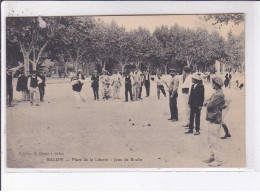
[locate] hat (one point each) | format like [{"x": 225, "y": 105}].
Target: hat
[
  {"x": 196, "y": 77},
  {"x": 172, "y": 70},
  {"x": 34, "y": 72},
  {"x": 186, "y": 69},
  {"x": 218, "y": 80},
  {"x": 79, "y": 70},
  {"x": 136, "y": 68}
]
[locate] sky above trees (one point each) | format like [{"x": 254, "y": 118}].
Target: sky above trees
[{"x": 187, "y": 21}]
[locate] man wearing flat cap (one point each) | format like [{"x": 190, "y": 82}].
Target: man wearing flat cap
[
  {"x": 95, "y": 84},
  {"x": 173, "y": 95},
  {"x": 196, "y": 100},
  {"x": 186, "y": 87},
  {"x": 214, "y": 117}
]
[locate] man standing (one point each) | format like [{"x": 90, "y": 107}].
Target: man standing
[
  {"x": 106, "y": 85},
  {"x": 128, "y": 87},
  {"x": 186, "y": 87},
  {"x": 136, "y": 84},
  {"x": 147, "y": 83},
  {"x": 141, "y": 86},
  {"x": 95, "y": 84},
  {"x": 173, "y": 95},
  {"x": 229, "y": 76},
  {"x": 33, "y": 83},
  {"x": 196, "y": 100},
  {"x": 160, "y": 88},
  {"x": 214, "y": 117},
  {"x": 42, "y": 85},
  {"x": 9, "y": 87},
  {"x": 116, "y": 83},
  {"x": 77, "y": 84}
]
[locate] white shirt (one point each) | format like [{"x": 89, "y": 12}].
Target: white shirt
[
  {"x": 188, "y": 82},
  {"x": 116, "y": 78},
  {"x": 160, "y": 81}
]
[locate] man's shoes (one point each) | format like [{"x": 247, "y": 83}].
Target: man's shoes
[
  {"x": 188, "y": 132},
  {"x": 37, "y": 105},
  {"x": 226, "y": 136},
  {"x": 170, "y": 119},
  {"x": 211, "y": 159},
  {"x": 174, "y": 120},
  {"x": 185, "y": 125},
  {"x": 197, "y": 133},
  {"x": 42, "y": 100},
  {"x": 31, "y": 103}
]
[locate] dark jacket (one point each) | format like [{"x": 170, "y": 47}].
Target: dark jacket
[
  {"x": 77, "y": 87},
  {"x": 196, "y": 98},
  {"x": 128, "y": 80},
  {"x": 95, "y": 83},
  {"x": 9, "y": 80},
  {"x": 43, "y": 80},
  {"x": 22, "y": 83},
  {"x": 147, "y": 82}
]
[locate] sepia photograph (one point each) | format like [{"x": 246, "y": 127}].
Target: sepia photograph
[{"x": 126, "y": 91}]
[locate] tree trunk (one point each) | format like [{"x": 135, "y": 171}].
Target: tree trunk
[
  {"x": 104, "y": 65},
  {"x": 123, "y": 68},
  {"x": 26, "y": 63},
  {"x": 188, "y": 63},
  {"x": 166, "y": 68}
]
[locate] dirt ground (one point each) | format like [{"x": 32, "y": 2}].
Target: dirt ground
[{"x": 99, "y": 134}]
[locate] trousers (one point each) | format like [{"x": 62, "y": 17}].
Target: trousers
[
  {"x": 80, "y": 96},
  {"x": 159, "y": 89},
  {"x": 136, "y": 91},
  {"x": 213, "y": 139},
  {"x": 42, "y": 91},
  {"x": 95, "y": 92},
  {"x": 194, "y": 112},
  {"x": 173, "y": 107},
  {"x": 34, "y": 93},
  {"x": 9, "y": 94},
  {"x": 186, "y": 108},
  {"x": 128, "y": 89},
  {"x": 116, "y": 89},
  {"x": 147, "y": 88}
]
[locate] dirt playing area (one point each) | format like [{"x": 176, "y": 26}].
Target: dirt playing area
[{"x": 114, "y": 133}]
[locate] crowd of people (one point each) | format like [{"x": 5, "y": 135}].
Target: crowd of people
[
  {"x": 32, "y": 87},
  {"x": 193, "y": 92}
]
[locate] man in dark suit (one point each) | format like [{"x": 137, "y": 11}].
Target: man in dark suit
[
  {"x": 42, "y": 85},
  {"x": 147, "y": 83},
  {"x": 196, "y": 100}
]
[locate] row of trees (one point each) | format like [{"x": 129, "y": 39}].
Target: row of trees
[{"x": 82, "y": 41}]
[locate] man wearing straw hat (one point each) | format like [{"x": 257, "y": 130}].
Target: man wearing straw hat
[
  {"x": 196, "y": 100},
  {"x": 173, "y": 95},
  {"x": 186, "y": 87}
]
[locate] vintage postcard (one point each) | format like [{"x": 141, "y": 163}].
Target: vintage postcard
[{"x": 129, "y": 91}]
